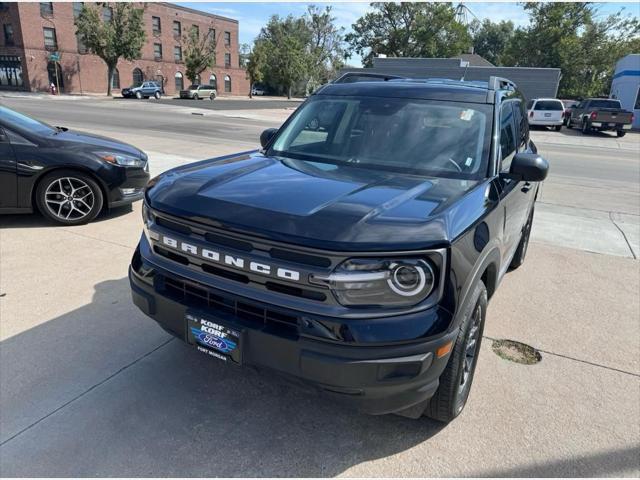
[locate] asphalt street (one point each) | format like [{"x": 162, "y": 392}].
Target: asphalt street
[
  {"x": 91, "y": 387},
  {"x": 259, "y": 103}
]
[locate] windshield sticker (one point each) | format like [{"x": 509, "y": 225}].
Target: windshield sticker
[{"x": 467, "y": 114}]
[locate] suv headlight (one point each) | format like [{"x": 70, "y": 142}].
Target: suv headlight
[
  {"x": 121, "y": 159},
  {"x": 380, "y": 282}
]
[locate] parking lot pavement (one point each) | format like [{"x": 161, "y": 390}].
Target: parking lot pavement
[{"x": 89, "y": 386}]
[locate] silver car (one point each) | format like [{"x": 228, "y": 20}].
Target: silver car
[{"x": 196, "y": 92}]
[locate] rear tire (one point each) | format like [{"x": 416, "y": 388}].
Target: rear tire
[
  {"x": 212, "y": 97},
  {"x": 523, "y": 245},
  {"x": 558, "y": 128},
  {"x": 156, "y": 95},
  {"x": 620, "y": 133},
  {"x": 196, "y": 96},
  {"x": 69, "y": 197},
  {"x": 455, "y": 382}
]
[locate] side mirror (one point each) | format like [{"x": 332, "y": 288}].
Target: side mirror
[
  {"x": 528, "y": 167},
  {"x": 266, "y": 136}
]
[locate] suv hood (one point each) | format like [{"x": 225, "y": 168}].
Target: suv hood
[{"x": 314, "y": 204}]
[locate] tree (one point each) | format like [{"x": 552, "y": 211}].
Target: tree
[
  {"x": 409, "y": 30},
  {"x": 255, "y": 64},
  {"x": 326, "y": 46},
  {"x": 121, "y": 36},
  {"x": 573, "y": 37},
  {"x": 199, "y": 52},
  {"x": 490, "y": 40}
]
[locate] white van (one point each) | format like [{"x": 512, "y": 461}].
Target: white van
[{"x": 547, "y": 112}]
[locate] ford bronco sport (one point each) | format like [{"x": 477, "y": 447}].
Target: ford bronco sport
[{"x": 357, "y": 250}]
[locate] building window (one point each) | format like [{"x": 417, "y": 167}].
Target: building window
[
  {"x": 212, "y": 34},
  {"x": 177, "y": 53},
  {"x": 138, "y": 78},
  {"x": 77, "y": 8},
  {"x": 227, "y": 83},
  {"x": 177, "y": 29},
  {"x": 8, "y": 34},
  {"x": 213, "y": 82},
  {"x": 54, "y": 72},
  {"x": 157, "y": 51},
  {"x": 115, "y": 80},
  {"x": 179, "y": 82},
  {"x": 46, "y": 9},
  {"x": 197, "y": 79},
  {"x": 196, "y": 30},
  {"x": 156, "y": 25},
  {"x": 50, "y": 42},
  {"x": 107, "y": 14},
  {"x": 227, "y": 39},
  {"x": 227, "y": 60}
]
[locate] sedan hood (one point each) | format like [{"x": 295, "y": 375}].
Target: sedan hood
[
  {"x": 315, "y": 204},
  {"x": 81, "y": 140}
]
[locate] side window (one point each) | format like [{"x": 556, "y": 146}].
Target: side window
[
  {"x": 522, "y": 124},
  {"x": 507, "y": 137},
  {"x": 529, "y": 104}
]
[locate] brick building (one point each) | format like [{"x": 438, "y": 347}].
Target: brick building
[{"x": 33, "y": 31}]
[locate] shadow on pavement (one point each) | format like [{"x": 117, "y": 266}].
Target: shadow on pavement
[
  {"x": 103, "y": 391},
  {"x": 36, "y": 220}
]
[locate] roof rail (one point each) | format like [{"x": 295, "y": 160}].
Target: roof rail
[
  {"x": 353, "y": 77},
  {"x": 500, "y": 83}
]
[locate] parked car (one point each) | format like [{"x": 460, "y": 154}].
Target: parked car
[
  {"x": 601, "y": 114},
  {"x": 70, "y": 177},
  {"x": 196, "y": 92},
  {"x": 359, "y": 259},
  {"x": 546, "y": 112},
  {"x": 569, "y": 105},
  {"x": 256, "y": 90},
  {"x": 144, "y": 90}
]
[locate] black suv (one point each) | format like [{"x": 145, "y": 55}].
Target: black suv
[{"x": 357, "y": 250}]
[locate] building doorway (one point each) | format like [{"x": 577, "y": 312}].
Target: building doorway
[{"x": 54, "y": 72}]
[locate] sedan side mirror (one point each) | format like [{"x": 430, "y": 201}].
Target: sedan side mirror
[
  {"x": 528, "y": 167},
  {"x": 266, "y": 136}
]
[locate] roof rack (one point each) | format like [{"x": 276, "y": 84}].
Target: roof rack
[
  {"x": 353, "y": 77},
  {"x": 500, "y": 83}
]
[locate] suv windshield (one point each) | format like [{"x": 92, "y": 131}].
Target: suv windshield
[
  {"x": 193, "y": 87},
  {"x": 449, "y": 139},
  {"x": 605, "y": 104},
  {"x": 22, "y": 122},
  {"x": 549, "y": 105}
]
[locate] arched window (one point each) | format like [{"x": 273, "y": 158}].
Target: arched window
[
  {"x": 197, "y": 82},
  {"x": 227, "y": 83},
  {"x": 115, "y": 80},
  {"x": 213, "y": 82},
  {"x": 179, "y": 82},
  {"x": 138, "y": 78}
]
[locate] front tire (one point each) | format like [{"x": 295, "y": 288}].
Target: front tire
[
  {"x": 569, "y": 124},
  {"x": 69, "y": 197},
  {"x": 139, "y": 95},
  {"x": 620, "y": 133},
  {"x": 212, "y": 97},
  {"x": 455, "y": 382},
  {"x": 196, "y": 96},
  {"x": 558, "y": 128},
  {"x": 585, "y": 127}
]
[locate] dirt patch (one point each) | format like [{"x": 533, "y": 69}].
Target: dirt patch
[{"x": 516, "y": 352}]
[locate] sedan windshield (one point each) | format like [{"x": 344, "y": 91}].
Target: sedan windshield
[
  {"x": 22, "y": 122},
  {"x": 449, "y": 139}
]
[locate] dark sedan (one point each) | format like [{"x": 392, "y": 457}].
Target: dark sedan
[{"x": 70, "y": 177}]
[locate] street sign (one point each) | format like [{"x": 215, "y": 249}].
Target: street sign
[{"x": 54, "y": 57}]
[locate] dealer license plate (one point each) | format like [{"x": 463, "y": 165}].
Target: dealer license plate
[{"x": 213, "y": 338}]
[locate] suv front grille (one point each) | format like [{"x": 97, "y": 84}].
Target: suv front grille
[{"x": 192, "y": 294}]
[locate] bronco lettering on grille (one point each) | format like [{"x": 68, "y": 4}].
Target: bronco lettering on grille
[{"x": 230, "y": 260}]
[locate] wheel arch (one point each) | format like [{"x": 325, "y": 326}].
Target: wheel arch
[{"x": 86, "y": 171}]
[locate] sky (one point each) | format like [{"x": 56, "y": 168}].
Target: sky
[{"x": 252, "y": 16}]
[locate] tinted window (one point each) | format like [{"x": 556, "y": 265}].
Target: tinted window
[
  {"x": 507, "y": 136},
  {"x": 529, "y": 104},
  {"x": 22, "y": 122},
  {"x": 448, "y": 139},
  {"x": 549, "y": 105},
  {"x": 193, "y": 87},
  {"x": 604, "y": 104}
]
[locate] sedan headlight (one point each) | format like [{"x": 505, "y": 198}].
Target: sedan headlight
[
  {"x": 374, "y": 282},
  {"x": 121, "y": 159}
]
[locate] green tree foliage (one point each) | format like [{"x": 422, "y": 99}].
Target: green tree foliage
[
  {"x": 199, "y": 52},
  {"x": 256, "y": 63},
  {"x": 576, "y": 39},
  {"x": 122, "y": 36},
  {"x": 490, "y": 39},
  {"x": 326, "y": 47},
  {"x": 409, "y": 30}
]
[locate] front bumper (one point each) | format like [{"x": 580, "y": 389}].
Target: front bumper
[
  {"x": 376, "y": 379},
  {"x": 546, "y": 123},
  {"x": 128, "y": 186}
]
